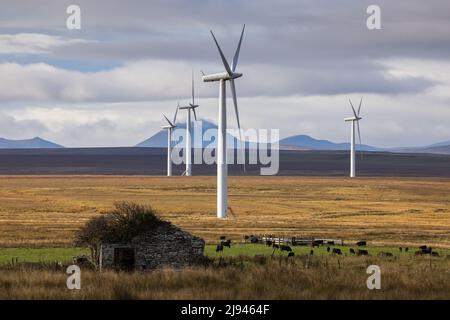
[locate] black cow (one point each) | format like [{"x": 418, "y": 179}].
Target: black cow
[
  {"x": 226, "y": 243},
  {"x": 275, "y": 246},
  {"x": 352, "y": 251},
  {"x": 423, "y": 247},
  {"x": 311, "y": 253},
  {"x": 406, "y": 249},
  {"x": 328, "y": 249},
  {"x": 426, "y": 250},
  {"x": 361, "y": 252},
  {"x": 336, "y": 251},
  {"x": 285, "y": 248},
  {"x": 290, "y": 254},
  {"x": 269, "y": 243},
  {"x": 219, "y": 248},
  {"x": 361, "y": 243},
  {"x": 401, "y": 249},
  {"x": 435, "y": 254},
  {"x": 223, "y": 237}
]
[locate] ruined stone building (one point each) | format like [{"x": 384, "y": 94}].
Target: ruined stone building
[{"x": 164, "y": 246}]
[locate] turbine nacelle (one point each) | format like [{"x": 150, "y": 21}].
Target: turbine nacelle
[
  {"x": 352, "y": 119},
  {"x": 221, "y": 76}
]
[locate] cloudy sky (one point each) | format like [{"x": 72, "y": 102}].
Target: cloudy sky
[{"x": 108, "y": 83}]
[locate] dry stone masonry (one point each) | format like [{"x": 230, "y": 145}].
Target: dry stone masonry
[{"x": 164, "y": 246}]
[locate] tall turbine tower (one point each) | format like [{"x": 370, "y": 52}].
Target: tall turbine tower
[
  {"x": 169, "y": 128},
  {"x": 192, "y": 106},
  {"x": 354, "y": 119},
  {"x": 221, "y": 151}
]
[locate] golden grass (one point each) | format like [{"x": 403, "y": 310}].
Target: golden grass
[
  {"x": 307, "y": 278},
  {"x": 47, "y": 210}
]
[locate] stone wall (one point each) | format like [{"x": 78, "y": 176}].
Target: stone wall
[{"x": 166, "y": 246}]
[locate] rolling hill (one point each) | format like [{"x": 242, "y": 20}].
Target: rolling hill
[
  {"x": 309, "y": 143},
  {"x": 34, "y": 143}
]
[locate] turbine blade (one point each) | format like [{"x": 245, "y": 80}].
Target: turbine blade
[
  {"x": 359, "y": 108},
  {"x": 176, "y": 112},
  {"x": 353, "y": 109},
  {"x": 224, "y": 60},
  {"x": 233, "y": 93},
  {"x": 193, "y": 100},
  {"x": 195, "y": 114},
  {"x": 170, "y": 123},
  {"x": 236, "y": 54},
  {"x": 359, "y": 137}
]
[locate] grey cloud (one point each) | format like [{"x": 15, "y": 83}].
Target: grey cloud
[{"x": 11, "y": 127}]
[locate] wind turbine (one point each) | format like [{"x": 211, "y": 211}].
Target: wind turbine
[
  {"x": 221, "y": 151},
  {"x": 354, "y": 119},
  {"x": 192, "y": 106},
  {"x": 169, "y": 128}
]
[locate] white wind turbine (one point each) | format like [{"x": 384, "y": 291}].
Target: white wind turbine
[
  {"x": 354, "y": 119},
  {"x": 192, "y": 106},
  {"x": 221, "y": 151},
  {"x": 169, "y": 128}
]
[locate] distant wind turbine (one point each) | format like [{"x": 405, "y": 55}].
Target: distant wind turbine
[
  {"x": 221, "y": 151},
  {"x": 354, "y": 119},
  {"x": 192, "y": 106},
  {"x": 169, "y": 128}
]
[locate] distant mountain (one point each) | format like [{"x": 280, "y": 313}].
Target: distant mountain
[
  {"x": 159, "y": 139},
  {"x": 440, "y": 144},
  {"x": 436, "y": 148},
  {"x": 306, "y": 142},
  {"x": 34, "y": 143}
]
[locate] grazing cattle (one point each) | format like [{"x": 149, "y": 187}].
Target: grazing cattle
[
  {"x": 226, "y": 243},
  {"x": 311, "y": 252},
  {"x": 285, "y": 248},
  {"x": 290, "y": 254},
  {"x": 406, "y": 249},
  {"x": 426, "y": 251},
  {"x": 423, "y": 247},
  {"x": 361, "y": 252},
  {"x": 386, "y": 254},
  {"x": 254, "y": 240},
  {"x": 352, "y": 251},
  {"x": 435, "y": 254},
  {"x": 223, "y": 237},
  {"x": 401, "y": 249},
  {"x": 219, "y": 248},
  {"x": 331, "y": 242},
  {"x": 269, "y": 243},
  {"x": 246, "y": 237},
  {"x": 328, "y": 249},
  {"x": 361, "y": 243},
  {"x": 336, "y": 251}
]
